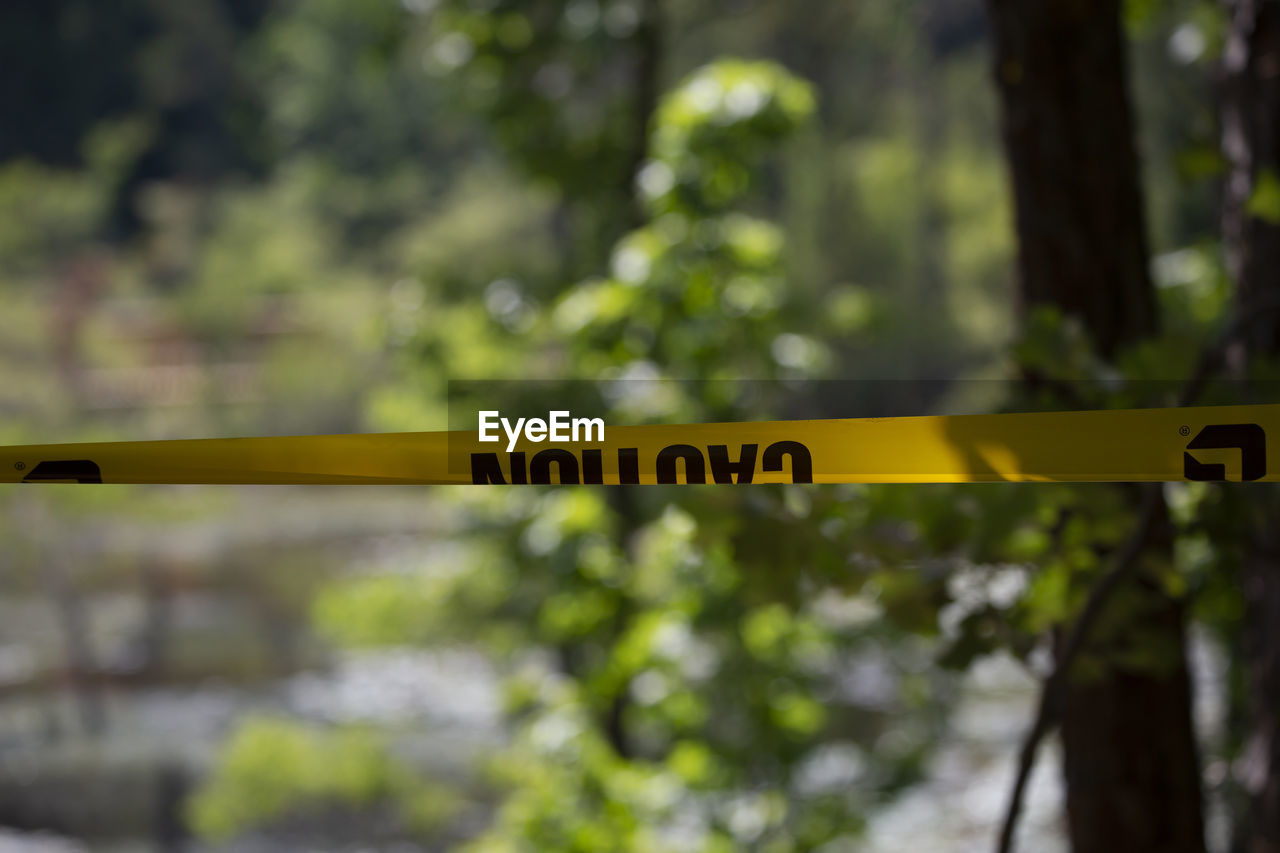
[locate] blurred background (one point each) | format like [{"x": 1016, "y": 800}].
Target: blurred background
[{"x": 272, "y": 217}]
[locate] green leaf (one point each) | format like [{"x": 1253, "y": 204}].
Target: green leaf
[{"x": 1264, "y": 202}]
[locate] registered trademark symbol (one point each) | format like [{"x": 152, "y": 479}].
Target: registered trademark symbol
[
  {"x": 1184, "y": 430},
  {"x": 21, "y": 466}
]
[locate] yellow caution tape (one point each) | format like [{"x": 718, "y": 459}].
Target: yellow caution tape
[{"x": 1136, "y": 445}]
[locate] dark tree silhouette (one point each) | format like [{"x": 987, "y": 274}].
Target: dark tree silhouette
[{"x": 1251, "y": 146}]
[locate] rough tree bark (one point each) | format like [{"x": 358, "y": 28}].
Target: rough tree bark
[
  {"x": 1068, "y": 130},
  {"x": 1132, "y": 773},
  {"x": 1251, "y": 146}
]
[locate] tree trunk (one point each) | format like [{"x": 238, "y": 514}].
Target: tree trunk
[
  {"x": 1258, "y": 771},
  {"x": 1129, "y": 748},
  {"x": 1068, "y": 131},
  {"x": 1132, "y": 773},
  {"x": 648, "y": 61},
  {"x": 1251, "y": 145}
]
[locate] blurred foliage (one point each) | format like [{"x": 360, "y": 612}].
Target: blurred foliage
[
  {"x": 709, "y": 135},
  {"x": 315, "y": 213},
  {"x": 271, "y": 767}
]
